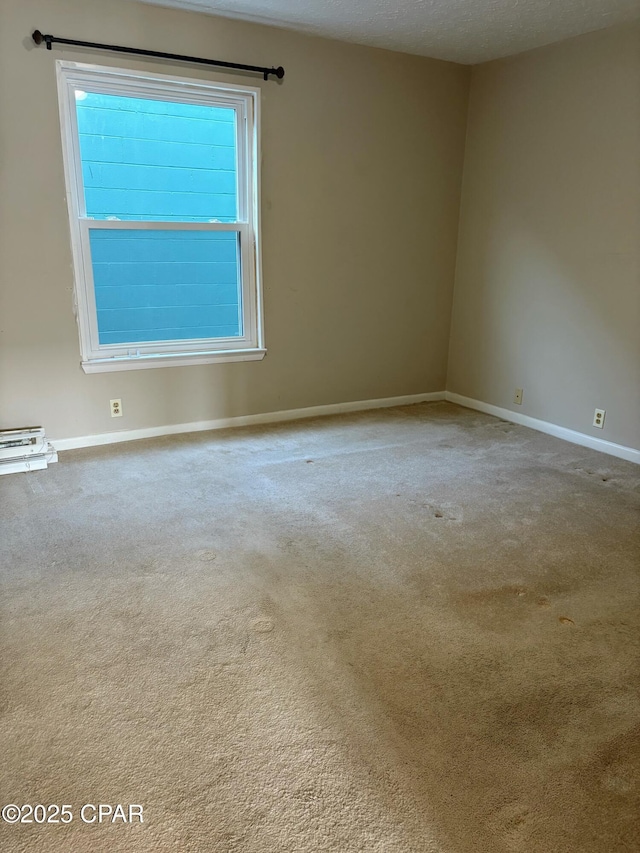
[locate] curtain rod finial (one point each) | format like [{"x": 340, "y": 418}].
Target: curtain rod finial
[{"x": 38, "y": 38}]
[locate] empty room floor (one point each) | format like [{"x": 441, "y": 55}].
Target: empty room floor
[{"x": 414, "y": 629}]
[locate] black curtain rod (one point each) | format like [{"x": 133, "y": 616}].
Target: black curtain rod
[{"x": 38, "y": 38}]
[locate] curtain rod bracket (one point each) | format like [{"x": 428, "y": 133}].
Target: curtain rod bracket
[{"x": 49, "y": 40}]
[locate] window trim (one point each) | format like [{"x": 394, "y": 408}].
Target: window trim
[{"x": 96, "y": 357}]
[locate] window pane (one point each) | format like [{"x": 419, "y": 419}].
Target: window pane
[
  {"x": 157, "y": 160},
  {"x": 166, "y": 285}
]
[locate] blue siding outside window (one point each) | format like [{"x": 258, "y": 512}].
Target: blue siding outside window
[
  {"x": 165, "y": 285},
  {"x": 148, "y": 160},
  {"x": 157, "y": 160}
]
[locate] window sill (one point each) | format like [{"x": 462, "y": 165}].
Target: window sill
[{"x": 142, "y": 362}]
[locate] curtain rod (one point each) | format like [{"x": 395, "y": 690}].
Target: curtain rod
[{"x": 38, "y": 38}]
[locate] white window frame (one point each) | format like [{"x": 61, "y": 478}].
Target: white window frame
[{"x": 245, "y": 100}]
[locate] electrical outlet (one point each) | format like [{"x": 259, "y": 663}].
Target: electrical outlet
[
  {"x": 517, "y": 397},
  {"x": 116, "y": 408},
  {"x": 598, "y": 418}
]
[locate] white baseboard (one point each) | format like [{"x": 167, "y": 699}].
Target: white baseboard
[
  {"x": 244, "y": 420},
  {"x": 619, "y": 450}
]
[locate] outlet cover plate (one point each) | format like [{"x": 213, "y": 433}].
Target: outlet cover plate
[{"x": 598, "y": 418}]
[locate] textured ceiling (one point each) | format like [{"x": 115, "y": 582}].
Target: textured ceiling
[{"x": 467, "y": 31}]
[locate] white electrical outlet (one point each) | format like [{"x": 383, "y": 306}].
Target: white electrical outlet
[
  {"x": 598, "y": 418},
  {"x": 116, "y": 408},
  {"x": 517, "y": 397}
]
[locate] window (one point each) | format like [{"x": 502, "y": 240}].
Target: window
[{"x": 162, "y": 189}]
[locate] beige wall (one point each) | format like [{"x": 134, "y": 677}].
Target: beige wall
[
  {"x": 547, "y": 293},
  {"x": 362, "y": 162},
  {"x": 362, "y": 159}
]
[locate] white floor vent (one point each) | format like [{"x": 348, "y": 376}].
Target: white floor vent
[{"x": 24, "y": 449}]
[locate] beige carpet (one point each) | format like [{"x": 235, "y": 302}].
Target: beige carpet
[{"x": 406, "y": 630}]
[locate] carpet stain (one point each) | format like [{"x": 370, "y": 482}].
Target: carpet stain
[
  {"x": 516, "y": 834},
  {"x": 492, "y": 595},
  {"x": 308, "y": 796},
  {"x": 510, "y": 819},
  {"x": 619, "y": 780},
  {"x": 448, "y": 512},
  {"x": 262, "y": 626},
  {"x": 206, "y": 555}
]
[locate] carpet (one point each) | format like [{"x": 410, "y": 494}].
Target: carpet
[{"x": 413, "y": 630}]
